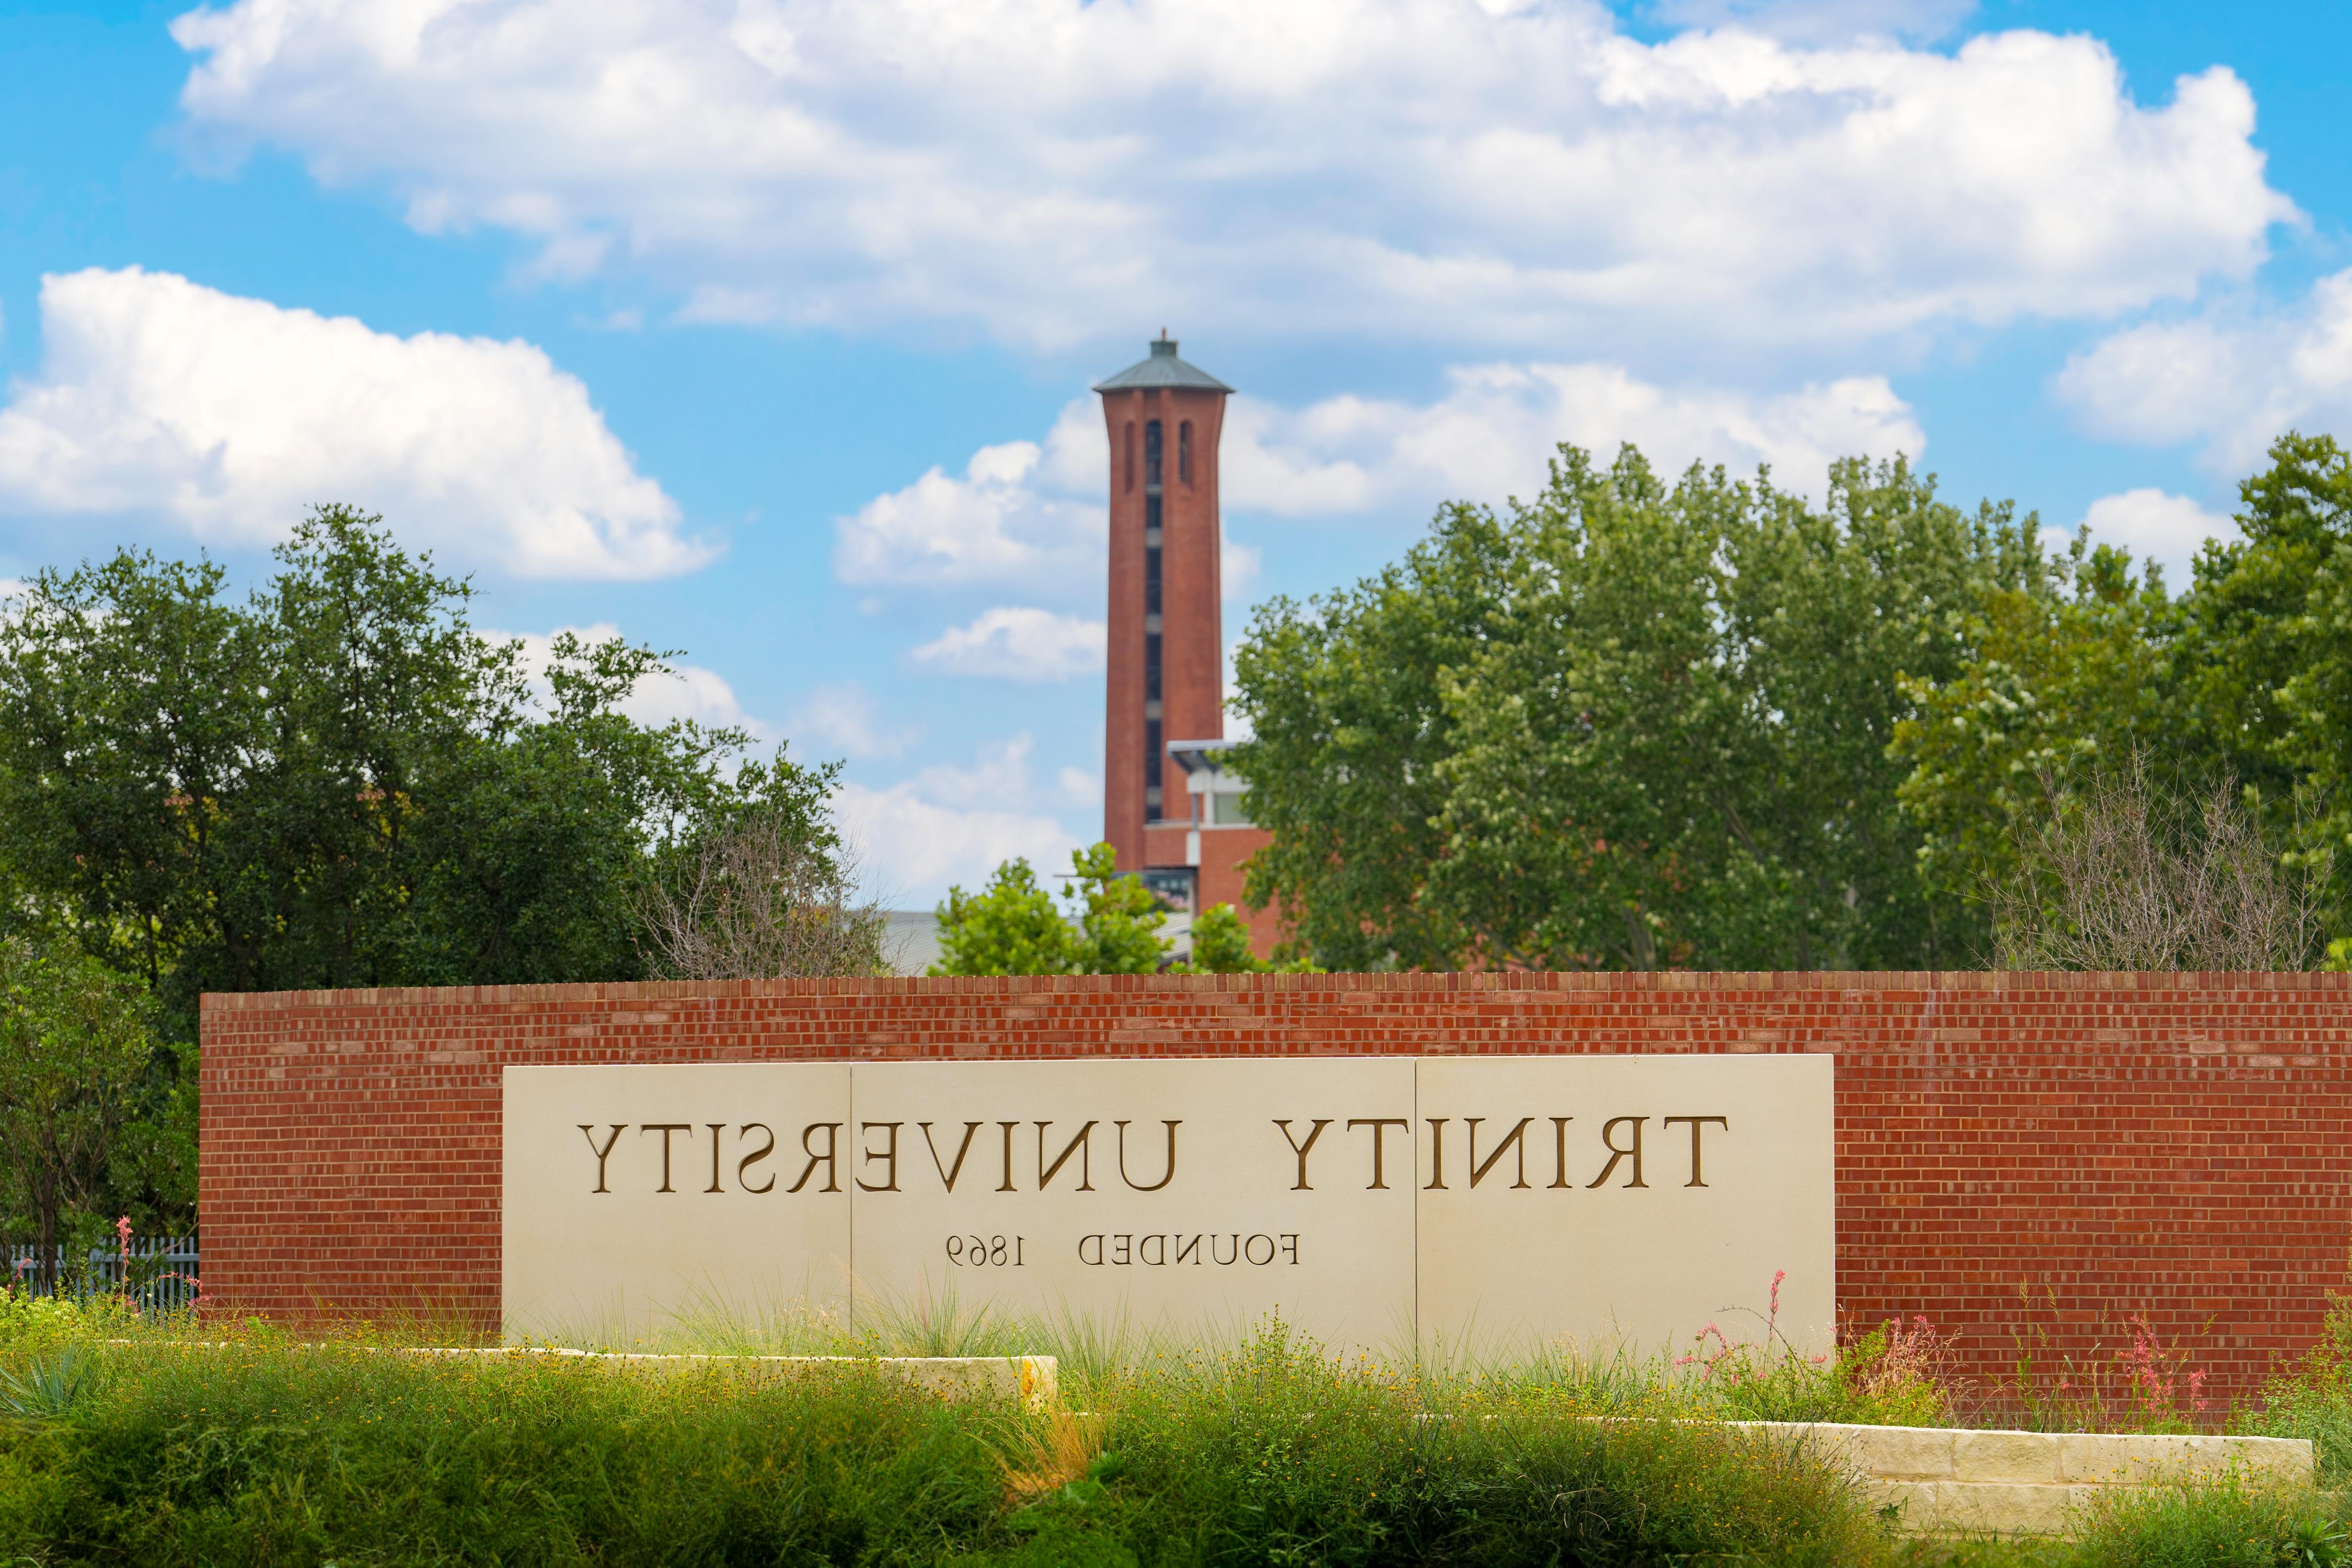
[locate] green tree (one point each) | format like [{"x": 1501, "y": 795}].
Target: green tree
[
  {"x": 1111, "y": 924},
  {"x": 335, "y": 781},
  {"x": 75, "y": 1057},
  {"x": 1118, "y": 918},
  {"x": 2264, "y": 660},
  {"x": 1221, "y": 944},
  {"x": 1347, "y": 696},
  {"x": 1625, "y": 724},
  {"x": 1833, "y": 612},
  {"x": 2062, "y": 683},
  {"x": 339, "y": 782},
  {"x": 2245, "y": 680},
  {"x": 550, "y": 825},
  {"x": 1010, "y": 927}
]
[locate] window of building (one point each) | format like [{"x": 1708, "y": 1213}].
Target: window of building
[
  {"x": 1129, "y": 445},
  {"x": 1151, "y": 556},
  {"x": 1228, "y": 809},
  {"x": 1151, "y": 454},
  {"x": 1171, "y": 885},
  {"x": 1184, "y": 451}
]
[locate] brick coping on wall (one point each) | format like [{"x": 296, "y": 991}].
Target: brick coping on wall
[
  {"x": 2105, "y": 1143},
  {"x": 1613, "y": 981}
]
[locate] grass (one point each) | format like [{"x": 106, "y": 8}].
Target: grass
[{"x": 138, "y": 1441}]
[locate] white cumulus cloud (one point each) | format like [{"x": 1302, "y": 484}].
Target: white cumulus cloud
[
  {"x": 1458, "y": 171},
  {"x": 952, "y": 826},
  {"x": 1033, "y": 515},
  {"x": 230, "y": 417},
  {"x": 2231, "y": 380},
  {"x": 1493, "y": 433},
  {"x": 1018, "y": 644},
  {"x": 844, "y": 717},
  {"x": 2168, "y": 530},
  {"x": 1019, "y": 513}
]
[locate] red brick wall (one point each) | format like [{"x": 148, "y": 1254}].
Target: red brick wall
[{"x": 2110, "y": 1144}]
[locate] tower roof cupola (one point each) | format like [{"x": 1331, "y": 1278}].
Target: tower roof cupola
[{"x": 1162, "y": 368}]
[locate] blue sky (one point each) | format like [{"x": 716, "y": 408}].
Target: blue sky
[{"x": 761, "y": 328}]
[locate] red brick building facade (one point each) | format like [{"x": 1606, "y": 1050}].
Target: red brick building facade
[{"x": 2017, "y": 1154}]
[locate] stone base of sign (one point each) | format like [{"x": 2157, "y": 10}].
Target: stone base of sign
[
  {"x": 1945, "y": 1480},
  {"x": 1034, "y": 1380}
]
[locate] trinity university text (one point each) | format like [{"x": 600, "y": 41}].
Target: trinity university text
[{"x": 1366, "y": 1200}]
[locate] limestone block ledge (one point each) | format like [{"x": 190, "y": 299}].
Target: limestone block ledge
[
  {"x": 1944, "y": 1479},
  {"x": 1034, "y": 1380}
]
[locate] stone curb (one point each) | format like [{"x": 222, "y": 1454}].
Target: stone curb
[
  {"x": 1034, "y": 1380},
  {"x": 1946, "y": 1479}
]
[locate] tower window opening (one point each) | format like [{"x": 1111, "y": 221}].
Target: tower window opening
[
  {"x": 1152, "y": 796},
  {"x": 1130, "y": 454},
  {"x": 1151, "y": 556},
  {"x": 1152, "y": 667},
  {"x": 1184, "y": 451},
  {"x": 1151, "y": 454}
]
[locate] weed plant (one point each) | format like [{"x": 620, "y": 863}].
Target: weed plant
[
  {"x": 2220, "y": 1524},
  {"x": 2312, "y": 1399}
]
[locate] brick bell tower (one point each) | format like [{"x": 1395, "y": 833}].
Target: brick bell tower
[
  {"x": 1170, "y": 812},
  {"x": 1167, "y": 648}
]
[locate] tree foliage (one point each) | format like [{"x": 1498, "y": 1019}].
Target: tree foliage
[
  {"x": 1111, "y": 925},
  {"x": 1709, "y": 724},
  {"x": 76, "y": 1054},
  {"x": 335, "y": 781},
  {"x": 2242, "y": 684},
  {"x": 338, "y": 781},
  {"x": 1626, "y": 724},
  {"x": 2067, "y": 682},
  {"x": 1221, "y": 944}
]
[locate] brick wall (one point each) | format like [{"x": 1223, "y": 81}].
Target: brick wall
[{"x": 2108, "y": 1144}]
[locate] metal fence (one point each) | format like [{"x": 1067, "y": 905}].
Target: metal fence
[{"x": 162, "y": 1270}]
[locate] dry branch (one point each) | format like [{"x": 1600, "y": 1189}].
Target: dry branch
[
  {"x": 756, "y": 900},
  {"x": 2122, "y": 874}
]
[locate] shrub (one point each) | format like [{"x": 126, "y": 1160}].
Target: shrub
[{"x": 253, "y": 1453}]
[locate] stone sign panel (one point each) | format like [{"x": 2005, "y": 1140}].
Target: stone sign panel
[{"x": 1484, "y": 1202}]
